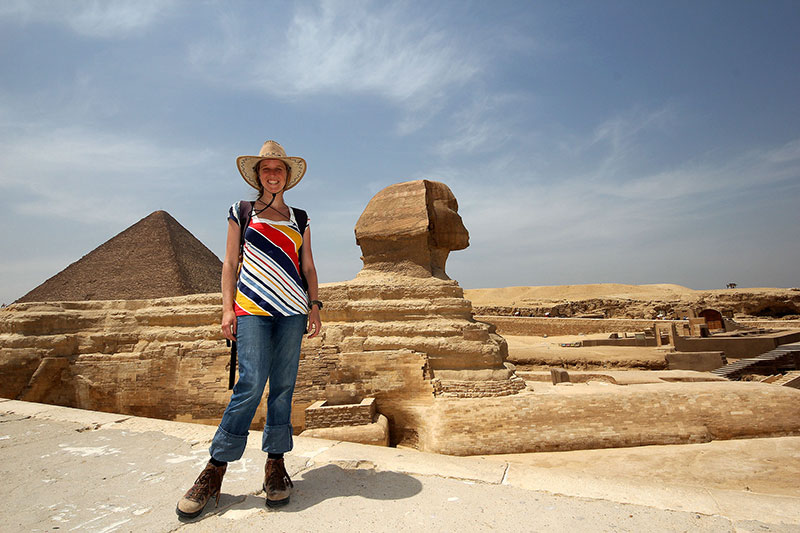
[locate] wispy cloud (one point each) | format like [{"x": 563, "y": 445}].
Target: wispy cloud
[
  {"x": 89, "y": 175},
  {"x": 92, "y": 18},
  {"x": 371, "y": 47},
  {"x": 481, "y": 127},
  {"x": 592, "y": 203},
  {"x": 756, "y": 168},
  {"x": 338, "y": 48}
]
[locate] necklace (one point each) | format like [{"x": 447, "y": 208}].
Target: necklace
[
  {"x": 280, "y": 212},
  {"x": 269, "y": 206}
]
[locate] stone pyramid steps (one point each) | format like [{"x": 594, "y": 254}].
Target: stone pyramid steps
[{"x": 154, "y": 258}]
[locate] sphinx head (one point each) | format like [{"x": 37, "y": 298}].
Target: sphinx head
[{"x": 410, "y": 228}]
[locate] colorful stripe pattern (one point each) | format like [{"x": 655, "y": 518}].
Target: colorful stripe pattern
[{"x": 269, "y": 279}]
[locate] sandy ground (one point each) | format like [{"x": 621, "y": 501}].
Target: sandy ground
[
  {"x": 510, "y": 296},
  {"x": 772, "y": 465},
  {"x": 533, "y": 352}
]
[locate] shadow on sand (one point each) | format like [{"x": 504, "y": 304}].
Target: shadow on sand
[{"x": 322, "y": 483}]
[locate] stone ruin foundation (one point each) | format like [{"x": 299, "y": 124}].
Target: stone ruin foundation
[
  {"x": 400, "y": 333},
  {"x": 354, "y": 422}
]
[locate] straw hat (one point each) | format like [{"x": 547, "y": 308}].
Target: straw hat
[{"x": 271, "y": 150}]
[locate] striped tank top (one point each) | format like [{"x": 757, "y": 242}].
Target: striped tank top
[{"x": 269, "y": 279}]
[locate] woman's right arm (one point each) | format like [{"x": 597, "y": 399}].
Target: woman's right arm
[{"x": 230, "y": 267}]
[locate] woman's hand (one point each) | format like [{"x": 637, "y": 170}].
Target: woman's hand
[
  {"x": 314, "y": 322},
  {"x": 229, "y": 324}
]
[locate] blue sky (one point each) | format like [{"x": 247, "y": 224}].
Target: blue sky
[{"x": 586, "y": 142}]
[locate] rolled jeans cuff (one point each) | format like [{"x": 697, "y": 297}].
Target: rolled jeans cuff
[
  {"x": 227, "y": 447},
  {"x": 277, "y": 439}
]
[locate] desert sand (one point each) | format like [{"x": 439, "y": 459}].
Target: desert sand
[{"x": 654, "y": 291}]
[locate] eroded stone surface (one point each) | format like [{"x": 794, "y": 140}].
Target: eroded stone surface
[{"x": 410, "y": 228}]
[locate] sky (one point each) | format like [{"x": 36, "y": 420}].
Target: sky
[{"x": 586, "y": 142}]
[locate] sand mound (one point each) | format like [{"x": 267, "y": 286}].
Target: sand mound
[
  {"x": 615, "y": 300},
  {"x": 519, "y": 295}
]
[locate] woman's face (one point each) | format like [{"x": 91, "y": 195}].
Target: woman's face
[{"x": 272, "y": 175}]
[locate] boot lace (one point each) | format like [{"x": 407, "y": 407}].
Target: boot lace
[{"x": 207, "y": 483}]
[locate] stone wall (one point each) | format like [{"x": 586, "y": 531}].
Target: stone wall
[
  {"x": 619, "y": 301},
  {"x": 737, "y": 347},
  {"x": 615, "y": 416},
  {"x": 158, "y": 358},
  {"x": 321, "y": 415},
  {"x": 167, "y": 359},
  {"x": 528, "y": 326}
]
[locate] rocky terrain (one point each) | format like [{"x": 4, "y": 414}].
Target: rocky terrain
[{"x": 611, "y": 300}]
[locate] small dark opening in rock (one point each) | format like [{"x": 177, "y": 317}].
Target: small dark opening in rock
[{"x": 777, "y": 311}]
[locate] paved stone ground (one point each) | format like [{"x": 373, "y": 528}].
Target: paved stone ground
[{"x": 71, "y": 470}]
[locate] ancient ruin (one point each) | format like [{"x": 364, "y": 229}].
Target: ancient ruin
[
  {"x": 648, "y": 302},
  {"x": 401, "y": 359}
]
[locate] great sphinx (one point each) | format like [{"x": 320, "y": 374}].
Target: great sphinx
[{"x": 402, "y": 330}]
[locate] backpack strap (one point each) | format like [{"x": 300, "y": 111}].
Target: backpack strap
[
  {"x": 301, "y": 217},
  {"x": 245, "y": 214}
]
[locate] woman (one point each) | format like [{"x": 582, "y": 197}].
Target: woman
[{"x": 266, "y": 310}]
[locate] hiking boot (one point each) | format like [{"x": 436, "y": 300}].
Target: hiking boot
[
  {"x": 206, "y": 486},
  {"x": 277, "y": 485}
]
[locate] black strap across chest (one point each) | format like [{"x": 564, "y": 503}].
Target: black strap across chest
[{"x": 245, "y": 215}]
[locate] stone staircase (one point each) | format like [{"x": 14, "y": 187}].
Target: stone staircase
[
  {"x": 790, "y": 379},
  {"x": 785, "y": 356}
]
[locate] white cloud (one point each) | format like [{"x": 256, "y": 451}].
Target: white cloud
[
  {"x": 92, "y": 18},
  {"x": 88, "y": 175},
  {"x": 481, "y": 127},
  {"x": 788, "y": 153},
  {"x": 588, "y": 209},
  {"x": 347, "y": 46},
  {"x": 618, "y": 140},
  {"x": 343, "y": 48},
  {"x": 755, "y": 168}
]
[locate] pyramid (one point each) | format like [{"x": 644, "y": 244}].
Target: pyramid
[{"x": 154, "y": 258}]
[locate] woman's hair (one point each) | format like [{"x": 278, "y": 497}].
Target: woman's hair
[{"x": 258, "y": 180}]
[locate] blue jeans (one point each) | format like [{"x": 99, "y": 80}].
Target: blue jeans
[{"x": 268, "y": 348}]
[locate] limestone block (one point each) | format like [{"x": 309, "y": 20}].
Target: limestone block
[
  {"x": 559, "y": 375},
  {"x": 376, "y": 433},
  {"x": 700, "y": 361},
  {"x": 328, "y": 414},
  {"x": 614, "y": 416}
]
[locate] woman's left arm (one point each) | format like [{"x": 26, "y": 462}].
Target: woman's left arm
[{"x": 310, "y": 273}]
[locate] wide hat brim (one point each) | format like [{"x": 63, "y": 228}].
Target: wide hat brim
[{"x": 246, "y": 164}]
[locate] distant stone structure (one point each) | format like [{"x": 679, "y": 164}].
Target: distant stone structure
[
  {"x": 359, "y": 422},
  {"x": 154, "y": 258},
  {"x": 747, "y": 304}
]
